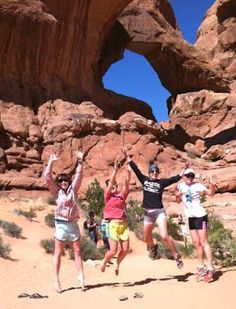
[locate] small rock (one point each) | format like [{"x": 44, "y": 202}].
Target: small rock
[{"x": 123, "y": 298}]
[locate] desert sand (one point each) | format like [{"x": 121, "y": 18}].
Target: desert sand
[{"x": 163, "y": 285}]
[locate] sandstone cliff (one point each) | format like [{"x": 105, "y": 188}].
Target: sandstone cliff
[{"x": 53, "y": 55}]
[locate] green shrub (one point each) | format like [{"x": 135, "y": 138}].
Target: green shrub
[
  {"x": 51, "y": 200},
  {"x": 214, "y": 223},
  {"x": 156, "y": 236},
  {"x": 89, "y": 250},
  {"x": 48, "y": 245},
  {"x": 221, "y": 241},
  {"x": 135, "y": 215},
  {"x": 174, "y": 229},
  {"x": 11, "y": 229},
  {"x": 186, "y": 250},
  {"x": 163, "y": 252},
  {"x": 95, "y": 198},
  {"x": 50, "y": 219},
  {"x": 5, "y": 249},
  {"x": 191, "y": 155},
  {"x": 82, "y": 204},
  {"x": 28, "y": 214},
  {"x": 203, "y": 198},
  {"x": 133, "y": 203}
]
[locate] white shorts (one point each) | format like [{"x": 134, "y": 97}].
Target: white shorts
[{"x": 66, "y": 231}]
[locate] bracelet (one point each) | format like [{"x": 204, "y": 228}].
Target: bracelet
[{"x": 80, "y": 161}]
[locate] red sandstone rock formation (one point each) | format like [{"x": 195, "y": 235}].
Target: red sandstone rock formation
[{"x": 53, "y": 55}]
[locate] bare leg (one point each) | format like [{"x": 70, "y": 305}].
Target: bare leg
[
  {"x": 166, "y": 238},
  {"x": 109, "y": 255},
  {"x": 78, "y": 261},
  {"x": 206, "y": 247},
  {"x": 59, "y": 247},
  {"x": 199, "y": 249},
  {"x": 124, "y": 250},
  {"x": 147, "y": 234}
]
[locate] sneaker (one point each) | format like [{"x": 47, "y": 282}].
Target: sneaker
[
  {"x": 179, "y": 261},
  {"x": 209, "y": 275},
  {"x": 153, "y": 252},
  {"x": 201, "y": 272}
]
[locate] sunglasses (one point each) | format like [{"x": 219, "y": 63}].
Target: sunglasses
[
  {"x": 60, "y": 180},
  {"x": 154, "y": 171},
  {"x": 190, "y": 175}
]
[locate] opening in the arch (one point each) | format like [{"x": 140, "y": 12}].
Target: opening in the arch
[{"x": 133, "y": 76}]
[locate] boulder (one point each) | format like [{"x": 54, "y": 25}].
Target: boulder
[{"x": 214, "y": 153}]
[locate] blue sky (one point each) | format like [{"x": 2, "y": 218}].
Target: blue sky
[{"x": 133, "y": 75}]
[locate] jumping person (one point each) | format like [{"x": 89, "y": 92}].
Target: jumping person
[
  {"x": 189, "y": 192},
  {"x": 65, "y": 191},
  {"x": 153, "y": 188},
  {"x": 114, "y": 213}
]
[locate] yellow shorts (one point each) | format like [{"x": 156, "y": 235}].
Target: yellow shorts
[{"x": 118, "y": 231}]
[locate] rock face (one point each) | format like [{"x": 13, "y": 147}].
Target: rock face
[
  {"x": 154, "y": 33},
  {"x": 50, "y": 50},
  {"x": 53, "y": 55}
]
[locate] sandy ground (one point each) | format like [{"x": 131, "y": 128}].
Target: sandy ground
[{"x": 160, "y": 282}]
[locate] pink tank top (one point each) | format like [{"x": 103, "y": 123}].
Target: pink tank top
[{"x": 115, "y": 205}]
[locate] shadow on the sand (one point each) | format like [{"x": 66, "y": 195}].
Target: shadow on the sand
[
  {"x": 114, "y": 284},
  {"x": 184, "y": 278},
  {"x": 11, "y": 259},
  {"x": 179, "y": 278},
  {"x": 69, "y": 289},
  {"x": 220, "y": 273}
]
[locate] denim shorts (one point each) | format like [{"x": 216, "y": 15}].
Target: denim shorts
[
  {"x": 66, "y": 231},
  {"x": 152, "y": 215}
]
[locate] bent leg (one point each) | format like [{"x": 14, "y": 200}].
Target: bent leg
[
  {"x": 147, "y": 234},
  {"x": 166, "y": 238},
  {"x": 109, "y": 255},
  {"x": 124, "y": 250}
]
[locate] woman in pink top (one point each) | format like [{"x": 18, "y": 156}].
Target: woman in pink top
[
  {"x": 66, "y": 215},
  {"x": 114, "y": 213}
]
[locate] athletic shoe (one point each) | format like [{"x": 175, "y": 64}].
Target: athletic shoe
[
  {"x": 153, "y": 252},
  {"x": 179, "y": 261},
  {"x": 209, "y": 275},
  {"x": 201, "y": 272}
]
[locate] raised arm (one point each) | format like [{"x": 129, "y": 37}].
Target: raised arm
[
  {"x": 178, "y": 195},
  {"x": 186, "y": 165},
  {"x": 79, "y": 171},
  {"x": 52, "y": 186},
  {"x": 212, "y": 187},
  {"x": 169, "y": 181},
  {"x": 112, "y": 179},
  {"x": 127, "y": 179}
]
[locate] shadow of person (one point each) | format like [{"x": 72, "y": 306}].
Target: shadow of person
[
  {"x": 179, "y": 278},
  {"x": 119, "y": 284}
]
